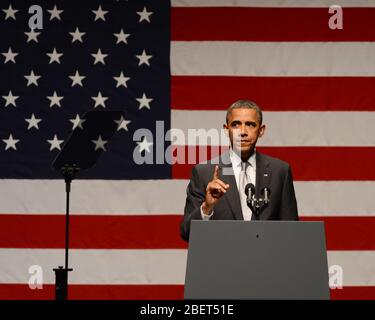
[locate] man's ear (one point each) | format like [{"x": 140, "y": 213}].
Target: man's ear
[
  {"x": 262, "y": 130},
  {"x": 226, "y": 129}
]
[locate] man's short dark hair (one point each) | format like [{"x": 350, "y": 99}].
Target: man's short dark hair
[{"x": 245, "y": 104}]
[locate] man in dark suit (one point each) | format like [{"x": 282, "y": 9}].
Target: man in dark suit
[{"x": 217, "y": 189}]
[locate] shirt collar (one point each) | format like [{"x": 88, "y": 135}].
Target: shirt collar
[{"x": 236, "y": 159}]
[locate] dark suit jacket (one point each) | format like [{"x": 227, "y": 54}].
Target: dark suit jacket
[{"x": 270, "y": 172}]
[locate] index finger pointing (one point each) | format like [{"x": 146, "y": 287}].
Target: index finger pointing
[{"x": 216, "y": 173}]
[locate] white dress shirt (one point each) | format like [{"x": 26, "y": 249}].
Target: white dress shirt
[{"x": 236, "y": 166}]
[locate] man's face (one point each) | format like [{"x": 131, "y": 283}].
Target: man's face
[{"x": 244, "y": 130}]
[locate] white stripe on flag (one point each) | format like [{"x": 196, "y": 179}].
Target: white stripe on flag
[
  {"x": 139, "y": 197},
  {"x": 97, "y": 266},
  {"x": 307, "y": 59},
  {"x": 286, "y": 128},
  {"x": 146, "y": 266}
]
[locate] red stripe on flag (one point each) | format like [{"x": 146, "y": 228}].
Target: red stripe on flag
[
  {"x": 91, "y": 232},
  {"x": 348, "y": 233},
  {"x": 94, "y": 292},
  {"x": 353, "y": 293},
  {"x": 151, "y": 232},
  {"x": 142, "y": 292},
  {"x": 275, "y": 93},
  {"x": 307, "y": 163},
  {"x": 187, "y": 156},
  {"x": 269, "y": 24}
]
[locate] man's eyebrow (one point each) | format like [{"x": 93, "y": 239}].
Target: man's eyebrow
[{"x": 246, "y": 122}]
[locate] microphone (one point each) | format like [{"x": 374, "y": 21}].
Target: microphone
[
  {"x": 250, "y": 192},
  {"x": 266, "y": 193}
]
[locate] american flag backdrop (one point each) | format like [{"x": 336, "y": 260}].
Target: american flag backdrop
[{"x": 181, "y": 62}]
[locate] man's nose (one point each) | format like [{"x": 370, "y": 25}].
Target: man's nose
[{"x": 243, "y": 131}]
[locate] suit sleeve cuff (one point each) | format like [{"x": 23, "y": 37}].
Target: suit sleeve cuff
[{"x": 206, "y": 216}]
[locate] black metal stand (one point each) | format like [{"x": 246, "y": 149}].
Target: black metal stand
[
  {"x": 258, "y": 204},
  {"x": 257, "y": 207},
  {"x": 78, "y": 154},
  {"x": 61, "y": 274},
  {"x": 61, "y": 283}
]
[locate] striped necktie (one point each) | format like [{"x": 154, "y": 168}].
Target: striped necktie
[{"x": 244, "y": 179}]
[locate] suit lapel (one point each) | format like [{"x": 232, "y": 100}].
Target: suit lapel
[
  {"x": 263, "y": 174},
  {"x": 231, "y": 196}
]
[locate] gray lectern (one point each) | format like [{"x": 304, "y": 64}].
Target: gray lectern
[{"x": 257, "y": 260}]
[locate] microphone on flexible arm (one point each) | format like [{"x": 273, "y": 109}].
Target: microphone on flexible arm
[
  {"x": 250, "y": 193},
  {"x": 266, "y": 193},
  {"x": 256, "y": 205}
]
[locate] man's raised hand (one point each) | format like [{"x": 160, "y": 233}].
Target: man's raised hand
[{"x": 214, "y": 191}]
